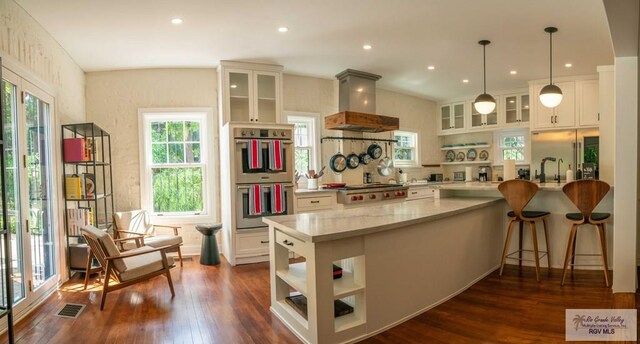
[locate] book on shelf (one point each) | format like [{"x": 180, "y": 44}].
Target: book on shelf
[
  {"x": 89, "y": 185},
  {"x": 78, "y": 149},
  {"x": 298, "y": 302},
  {"x": 76, "y": 219},
  {"x": 73, "y": 187}
]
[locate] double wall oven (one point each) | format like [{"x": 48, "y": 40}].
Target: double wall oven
[{"x": 246, "y": 176}]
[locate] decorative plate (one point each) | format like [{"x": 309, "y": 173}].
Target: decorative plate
[
  {"x": 451, "y": 155},
  {"x": 484, "y": 155},
  {"x": 460, "y": 156},
  {"x": 472, "y": 154}
]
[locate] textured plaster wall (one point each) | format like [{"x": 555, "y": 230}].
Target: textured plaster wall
[{"x": 113, "y": 100}]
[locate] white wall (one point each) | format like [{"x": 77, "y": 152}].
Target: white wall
[
  {"x": 316, "y": 95},
  {"x": 113, "y": 100}
]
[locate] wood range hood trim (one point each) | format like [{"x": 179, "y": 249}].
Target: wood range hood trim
[{"x": 362, "y": 122}]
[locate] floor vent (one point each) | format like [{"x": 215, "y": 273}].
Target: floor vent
[{"x": 70, "y": 310}]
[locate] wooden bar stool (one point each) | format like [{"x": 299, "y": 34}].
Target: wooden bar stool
[
  {"x": 518, "y": 193},
  {"x": 586, "y": 194}
]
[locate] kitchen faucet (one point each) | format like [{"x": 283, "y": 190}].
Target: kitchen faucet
[
  {"x": 559, "y": 161},
  {"x": 542, "y": 176}
]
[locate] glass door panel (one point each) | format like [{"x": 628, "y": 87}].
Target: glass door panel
[
  {"x": 511, "y": 107},
  {"x": 38, "y": 168},
  {"x": 12, "y": 180},
  {"x": 492, "y": 118},
  {"x": 239, "y": 96},
  {"x": 476, "y": 118},
  {"x": 445, "y": 117},
  {"x": 266, "y": 90},
  {"x": 524, "y": 111},
  {"x": 458, "y": 116}
]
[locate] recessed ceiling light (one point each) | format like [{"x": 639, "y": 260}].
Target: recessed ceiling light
[
  {"x": 568, "y": 65},
  {"x": 431, "y": 67},
  {"x": 513, "y": 72},
  {"x": 176, "y": 21},
  {"x": 367, "y": 47},
  {"x": 360, "y": 89},
  {"x": 234, "y": 86},
  {"x": 283, "y": 29},
  {"x": 466, "y": 81}
]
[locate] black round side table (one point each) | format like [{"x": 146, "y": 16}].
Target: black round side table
[{"x": 209, "y": 254}]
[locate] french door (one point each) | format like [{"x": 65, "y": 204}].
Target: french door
[{"x": 28, "y": 151}]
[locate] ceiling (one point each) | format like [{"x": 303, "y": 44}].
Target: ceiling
[{"x": 326, "y": 37}]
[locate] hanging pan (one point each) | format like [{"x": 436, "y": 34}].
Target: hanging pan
[
  {"x": 338, "y": 163},
  {"x": 385, "y": 165},
  {"x": 365, "y": 158},
  {"x": 374, "y": 151}
]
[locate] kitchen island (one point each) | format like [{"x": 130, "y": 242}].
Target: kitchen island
[
  {"x": 398, "y": 261},
  {"x": 548, "y": 198}
]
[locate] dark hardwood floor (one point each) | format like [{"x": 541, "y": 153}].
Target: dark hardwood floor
[{"x": 231, "y": 305}]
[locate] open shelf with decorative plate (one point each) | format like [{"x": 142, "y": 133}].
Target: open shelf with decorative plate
[
  {"x": 88, "y": 186},
  {"x": 466, "y": 162}
]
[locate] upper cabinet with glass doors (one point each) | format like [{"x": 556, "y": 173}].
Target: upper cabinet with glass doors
[
  {"x": 452, "y": 118},
  {"x": 516, "y": 110},
  {"x": 250, "y": 92},
  {"x": 479, "y": 121}
]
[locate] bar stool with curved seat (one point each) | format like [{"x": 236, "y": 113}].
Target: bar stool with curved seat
[
  {"x": 518, "y": 193},
  {"x": 586, "y": 194}
]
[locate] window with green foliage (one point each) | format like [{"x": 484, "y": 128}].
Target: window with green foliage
[
  {"x": 513, "y": 147},
  {"x": 405, "y": 152},
  {"x": 305, "y": 141},
  {"x": 176, "y": 166}
]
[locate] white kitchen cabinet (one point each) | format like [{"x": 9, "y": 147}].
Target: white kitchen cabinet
[
  {"x": 419, "y": 192},
  {"x": 309, "y": 202},
  {"x": 515, "y": 110},
  {"x": 587, "y": 102},
  {"x": 452, "y": 118},
  {"x": 478, "y": 121},
  {"x": 250, "y": 92},
  {"x": 562, "y": 116}
]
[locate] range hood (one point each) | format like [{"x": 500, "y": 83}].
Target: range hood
[{"x": 357, "y": 105}]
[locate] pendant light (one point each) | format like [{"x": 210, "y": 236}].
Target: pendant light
[
  {"x": 484, "y": 103},
  {"x": 551, "y": 95}
]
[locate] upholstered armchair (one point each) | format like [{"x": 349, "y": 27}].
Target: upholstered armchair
[
  {"x": 128, "y": 267},
  {"x": 137, "y": 223}
]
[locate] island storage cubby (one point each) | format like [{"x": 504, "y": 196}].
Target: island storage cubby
[{"x": 333, "y": 309}]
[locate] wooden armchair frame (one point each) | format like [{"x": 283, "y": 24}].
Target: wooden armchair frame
[{"x": 107, "y": 262}]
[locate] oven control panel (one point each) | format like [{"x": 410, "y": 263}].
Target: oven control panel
[{"x": 266, "y": 134}]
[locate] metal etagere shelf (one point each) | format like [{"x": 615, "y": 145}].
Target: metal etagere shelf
[{"x": 100, "y": 203}]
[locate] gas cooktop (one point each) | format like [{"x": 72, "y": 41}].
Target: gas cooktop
[{"x": 369, "y": 186}]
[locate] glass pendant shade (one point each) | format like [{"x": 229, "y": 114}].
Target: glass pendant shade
[
  {"x": 484, "y": 104},
  {"x": 551, "y": 96}
]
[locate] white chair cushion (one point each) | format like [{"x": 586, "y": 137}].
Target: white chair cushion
[
  {"x": 143, "y": 264},
  {"x": 162, "y": 240}
]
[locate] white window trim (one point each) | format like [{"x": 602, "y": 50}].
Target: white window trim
[
  {"x": 146, "y": 115},
  {"x": 407, "y": 163},
  {"x": 499, "y": 161},
  {"x": 316, "y": 152}
]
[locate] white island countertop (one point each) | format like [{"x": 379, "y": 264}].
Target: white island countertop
[
  {"x": 324, "y": 226},
  {"x": 489, "y": 186}
]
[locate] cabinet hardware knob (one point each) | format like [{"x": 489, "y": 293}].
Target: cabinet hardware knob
[
  {"x": 264, "y": 241},
  {"x": 552, "y": 119},
  {"x": 556, "y": 119},
  {"x": 314, "y": 202},
  {"x": 598, "y": 116},
  {"x": 287, "y": 242}
]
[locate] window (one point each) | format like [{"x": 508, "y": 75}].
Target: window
[
  {"x": 512, "y": 145},
  {"x": 405, "y": 152},
  {"x": 174, "y": 169},
  {"x": 306, "y": 141}
]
